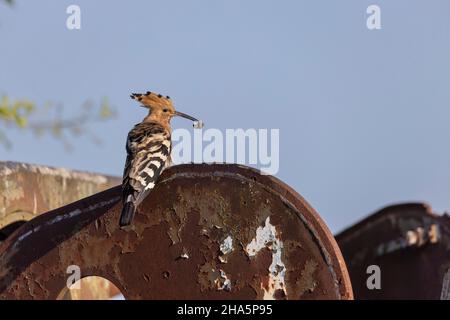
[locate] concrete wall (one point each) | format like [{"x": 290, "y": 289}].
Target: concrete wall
[{"x": 28, "y": 190}]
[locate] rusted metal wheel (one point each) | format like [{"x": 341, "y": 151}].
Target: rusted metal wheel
[
  {"x": 205, "y": 232},
  {"x": 408, "y": 245}
]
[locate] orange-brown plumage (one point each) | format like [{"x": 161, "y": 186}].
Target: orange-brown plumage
[
  {"x": 160, "y": 107},
  {"x": 148, "y": 151}
]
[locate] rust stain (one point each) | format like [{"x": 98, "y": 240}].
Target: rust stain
[{"x": 307, "y": 282}]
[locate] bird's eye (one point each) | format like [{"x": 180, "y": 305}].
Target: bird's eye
[{"x": 165, "y": 110}]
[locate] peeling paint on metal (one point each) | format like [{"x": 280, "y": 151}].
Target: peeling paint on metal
[
  {"x": 184, "y": 256},
  {"x": 417, "y": 237},
  {"x": 222, "y": 282},
  {"x": 225, "y": 247},
  {"x": 266, "y": 237}
]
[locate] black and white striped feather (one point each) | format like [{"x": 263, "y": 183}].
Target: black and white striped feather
[{"x": 148, "y": 154}]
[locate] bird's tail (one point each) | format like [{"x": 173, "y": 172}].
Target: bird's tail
[{"x": 127, "y": 214}]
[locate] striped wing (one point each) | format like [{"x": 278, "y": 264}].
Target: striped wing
[{"x": 148, "y": 149}]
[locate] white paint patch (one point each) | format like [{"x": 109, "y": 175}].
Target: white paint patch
[
  {"x": 184, "y": 256},
  {"x": 223, "y": 283},
  {"x": 226, "y": 247},
  {"x": 266, "y": 237}
]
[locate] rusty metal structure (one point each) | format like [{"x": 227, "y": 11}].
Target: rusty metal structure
[
  {"x": 410, "y": 245},
  {"x": 205, "y": 232},
  {"x": 27, "y": 191}
]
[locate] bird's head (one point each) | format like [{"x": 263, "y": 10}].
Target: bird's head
[{"x": 160, "y": 107}]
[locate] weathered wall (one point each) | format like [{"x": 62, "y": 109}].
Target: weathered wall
[{"x": 28, "y": 190}]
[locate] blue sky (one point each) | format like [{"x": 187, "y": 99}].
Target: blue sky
[{"x": 363, "y": 115}]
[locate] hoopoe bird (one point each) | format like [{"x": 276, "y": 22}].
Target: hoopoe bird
[{"x": 148, "y": 151}]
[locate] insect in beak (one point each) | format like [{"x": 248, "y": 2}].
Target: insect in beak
[{"x": 197, "y": 123}]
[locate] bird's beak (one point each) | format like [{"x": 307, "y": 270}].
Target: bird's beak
[{"x": 184, "y": 115}]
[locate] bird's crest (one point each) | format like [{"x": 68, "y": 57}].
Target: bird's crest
[{"x": 150, "y": 99}]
